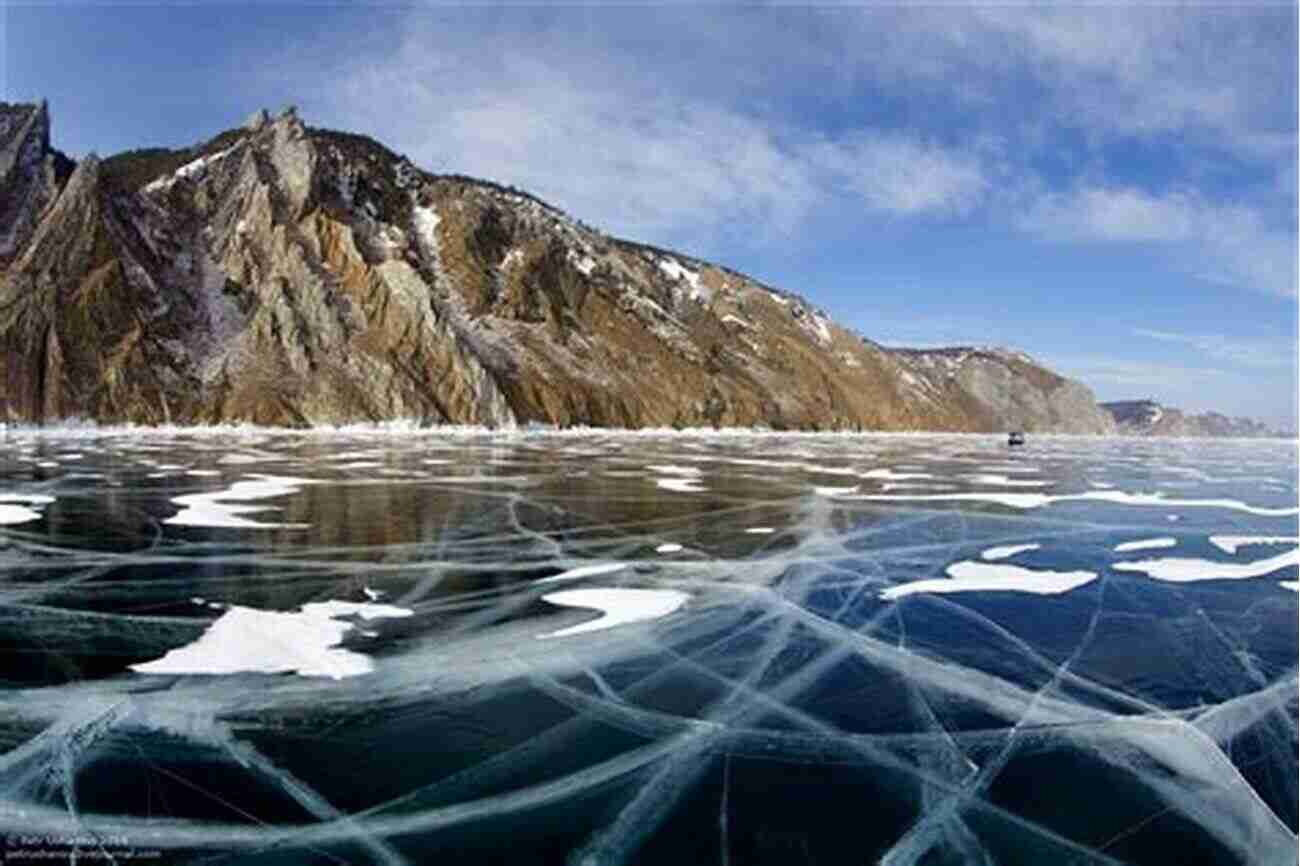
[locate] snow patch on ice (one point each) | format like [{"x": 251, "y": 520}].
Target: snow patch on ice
[
  {"x": 680, "y": 485},
  {"x": 1230, "y": 543},
  {"x": 248, "y": 640},
  {"x": 1003, "y": 481},
  {"x": 216, "y": 509},
  {"x": 1146, "y": 544},
  {"x": 835, "y": 491},
  {"x": 1037, "y": 500},
  {"x": 891, "y": 475},
  {"x": 681, "y": 479},
  {"x": 971, "y": 576},
  {"x": 617, "y": 606},
  {"x": 1179, "y": 570},
  {"x": 673, "y": 469},
  {"x": 585, "y": 571},
  {"x": 10, "y": 514},
  {"x": 994, "y": 553}
]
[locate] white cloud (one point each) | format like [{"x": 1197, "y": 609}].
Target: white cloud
[
  {"x": 655, "y": 158},
  {"x": 1145, "y": 71},
  {"x": 902, "y": 175},
  {"x": 612, "y": 152},
  {"x": 1123, "y": 214},
  {"x": 1225, "y": 243},
  {"x": 721, "y": 129}
]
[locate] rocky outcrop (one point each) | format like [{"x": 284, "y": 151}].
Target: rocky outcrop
[
  {"x": 1149, "y": 418},
  {"x": 1001, "y": 389},
  {"x": 282, "y": 274},
  {"x": 31, "y": 174}
]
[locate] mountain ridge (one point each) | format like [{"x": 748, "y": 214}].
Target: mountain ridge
[
  {"x": 285, "y": 274},
  {"x": 1148, "y": 417}
]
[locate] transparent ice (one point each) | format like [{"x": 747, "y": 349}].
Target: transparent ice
[{"x": 753, "y": 650}]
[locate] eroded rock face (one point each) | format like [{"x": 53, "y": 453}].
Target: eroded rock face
[
  {"x": 286, "y": 275},
  {"x": 31, "y": 173}
]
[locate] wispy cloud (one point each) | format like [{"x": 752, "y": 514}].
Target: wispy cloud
[
  {"x": 902, "y": 175},
  {"x": 1253, "y": 353},
  {"x": 614, "y": 152},
  {"x": 1147, "y": 70},
  {"x": 655, "y": 158},
  {"x": 675, "y": 125}
]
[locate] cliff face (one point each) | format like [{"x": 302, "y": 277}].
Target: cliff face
[
  {"x": 1149, "y": 418},
  {"x": 31, "y": 174},
  {"x": 286, "y": 275}
]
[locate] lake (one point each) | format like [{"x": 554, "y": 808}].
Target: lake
[{"x": 390, "y": 645}]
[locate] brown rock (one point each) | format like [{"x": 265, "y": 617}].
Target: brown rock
[{"x": 286, "y": 275}]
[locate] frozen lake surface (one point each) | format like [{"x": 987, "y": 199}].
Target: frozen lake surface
[{"x": 392, "y": 646}]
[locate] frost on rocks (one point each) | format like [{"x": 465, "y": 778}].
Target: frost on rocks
[
  {"x": 193, "y": 170},
  {"x": 583, "y": 263},
  {"x": 426, "y": 222},
  {"x": 695, "y": 290}
]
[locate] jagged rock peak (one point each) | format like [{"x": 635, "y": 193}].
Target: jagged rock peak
[
  {"x": 85, "y": 175},
  {"x": 257, "y": 120},
  {"x": 24, "y": 135},
  {"x": 31, "y": 173}
]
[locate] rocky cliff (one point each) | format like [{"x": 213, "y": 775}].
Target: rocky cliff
[
  {"x": 282, "y": 274},
  {"x": 1149, "y": 418},
  {"x": 31, "y": 174}
]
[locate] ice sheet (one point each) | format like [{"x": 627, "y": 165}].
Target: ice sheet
[{"x": 734, "y": 670}]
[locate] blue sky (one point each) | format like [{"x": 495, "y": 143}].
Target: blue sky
[{"x": 1112, "y": 190}]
